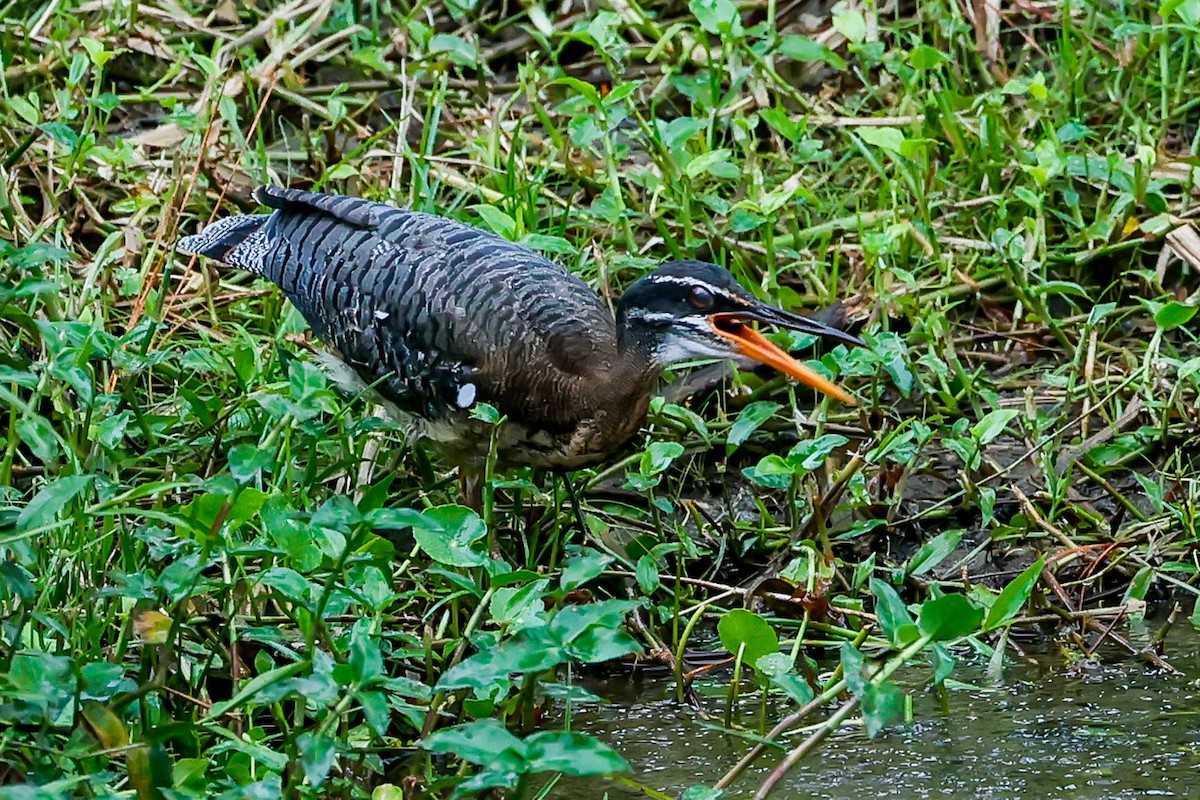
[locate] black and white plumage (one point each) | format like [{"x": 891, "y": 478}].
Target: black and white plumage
[{"x": 439, "y": 315}]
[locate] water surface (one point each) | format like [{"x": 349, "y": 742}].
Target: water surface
[{"x": 1061, "y": 727}]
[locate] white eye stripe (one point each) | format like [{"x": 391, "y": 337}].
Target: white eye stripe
[
  {"x": 689, "y": 282},
  {"x": 693, "y": 283},
  {"x": 651, "y": 316}
]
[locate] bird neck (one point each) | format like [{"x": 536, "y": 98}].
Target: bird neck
[{"x": 636, "y": 352}]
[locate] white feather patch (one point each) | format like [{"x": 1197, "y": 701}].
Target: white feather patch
[{"x": 466, "y": 395}]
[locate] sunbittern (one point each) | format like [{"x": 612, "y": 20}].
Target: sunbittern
[{"x": 438, "y": 316}]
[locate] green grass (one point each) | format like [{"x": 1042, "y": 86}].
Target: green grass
[{"x": 220, "y": 576}]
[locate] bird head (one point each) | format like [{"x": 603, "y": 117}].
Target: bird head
[{"x": 687, "y": 310}]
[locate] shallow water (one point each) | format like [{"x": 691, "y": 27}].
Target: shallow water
[{"x": 1059, "y": 728}]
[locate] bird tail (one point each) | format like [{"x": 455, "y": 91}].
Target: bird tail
[{"x": 237, "y": 241}]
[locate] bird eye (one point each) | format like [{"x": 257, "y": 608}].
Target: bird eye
[{"x": 700, "y": 298}]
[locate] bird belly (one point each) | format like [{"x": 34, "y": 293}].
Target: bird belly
[
  {"x": 468, "y": 441},
  {"x": 465, "y": 440}
]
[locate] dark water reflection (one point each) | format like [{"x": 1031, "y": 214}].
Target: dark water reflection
[{"x": 1060, "y": 728}]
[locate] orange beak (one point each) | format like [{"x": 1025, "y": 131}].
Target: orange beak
[{"x": 752, "y": 344}]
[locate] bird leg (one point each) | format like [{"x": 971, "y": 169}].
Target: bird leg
[
  {"x": 471, "y": 481},
  {"x": 573, "y": 499}
]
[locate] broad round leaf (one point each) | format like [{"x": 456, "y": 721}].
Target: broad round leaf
[
  {"x": 446, "y": 534},
  {"x": 741, "y": 627}
]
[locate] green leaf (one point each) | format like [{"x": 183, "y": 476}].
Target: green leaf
[
  {"x": 881, "y": 703},
  {"x": 374, "y": 706},
  {"x": 26, "y": 110},
  {"x": 678, "y": 131},
  {"x": 16, "y": 582},
  {"x": 774, "y": 664},
  {"x": 582, "y": 88},
  {"x": 777, "y": 668},
  {"x": 247, "y": 461},
  {"x": 863, "y": 571},
  {"x": 545, "y": 243},
  {"x": 725, "y": 169},
  {"x": 1174, "y": 314},
  {"x": 485, "y": 742},
  {"x": 519, "y": 608},
  {"x": 893, "y": 615},
  {"x": 853, "y": 663},
  {"x": 851, "y": 24},
  {"x": 943, "y": 663},
  {"x": 933, "y": 552},
  {"x": 659, "y": 456},
  {"x": 778, "y": 119},
  {"x": 496, "y": 220},
  {"x": 583, "y": 567},
  {"x": 456, "y": 48},
  {"x": 595, "y": 632},
  {"x": 1139, "y": 586},
  {"x": 748, "y": 421},
  {"x": 811, "y": 453},
  {"x": 993, "y": 423},
  {"x": 97, "y": 52},
  {"x": 892, "y": 351},
  {"x": 717, "y": 16},
  {"x": 772, "y": 471},
  {"x": 647, "y": 575},
  {"x": 987, "y": 505},
  {"x": 112, "y": 429},
  {"x": 365, "y": 657},
  {"x": 599, "y": 644},
  {"x": 1061, "y": 289},
  {"x": 740, "y": 628},
  {"x": 255, "y": 685},
  {"x": 1012, "y": 598},
  {"x": 1186, "y": 9},
  {"x": 484, "y": 782},
  {"x": 61, "y": 132},
  {"x": 706, "y": 161},
  {"x": 572, "y": 621},
  {"x": 446, "y": 534},
  {"x": 924, "y": 57},
  {"x": 949, "y": 617},
  {"x": 530, "y": 650},
  {"x": 287, "y": 582},
  {"x": 35, "y": 431},
  {"x": 698, "y": 792},
  {"x": 885, "y": 138},
  {"x": 317, "y": 753},
  {"x": 394, "y": 518},
  {"x": 149, "y": 769},
  {"x": 306, "y": 381},
  {"x": 572, "y": 754},
  {"x": 105, "y": 725},
  {"x": 54, "y": 497},
  {"x": 802, "y": 48}
]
